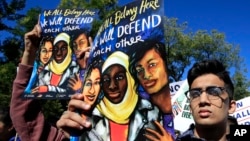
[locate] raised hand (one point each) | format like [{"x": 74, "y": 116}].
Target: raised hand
[
  {"x": 75, "y": 82},
  {"x": 71, "y": 120},
  {"x": 31, "y": 42},
  {"x": 158, "y": 136}
]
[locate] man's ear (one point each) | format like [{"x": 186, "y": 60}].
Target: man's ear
[{"x": 232, "y": 107}]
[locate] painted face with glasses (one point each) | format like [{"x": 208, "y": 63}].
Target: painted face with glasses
[{"x": 209, "y": 100}]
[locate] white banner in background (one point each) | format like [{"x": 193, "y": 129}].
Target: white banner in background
[
  {"x": 242, "y": 112},
  {"x": 181, "y": 110},
  {"x": 175, "y": 86}
]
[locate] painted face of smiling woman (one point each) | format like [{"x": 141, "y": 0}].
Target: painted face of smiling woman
[{"x": 92, "y": 86}]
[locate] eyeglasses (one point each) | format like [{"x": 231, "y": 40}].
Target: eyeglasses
[{"x": 213, "y": 93}]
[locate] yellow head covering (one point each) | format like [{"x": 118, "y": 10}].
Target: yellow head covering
[
  {"x": 53, "y": 65},
  {"x": 120, "y": 112}
]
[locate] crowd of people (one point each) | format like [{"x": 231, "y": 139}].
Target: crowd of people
[{"x": 210, "y": 93}]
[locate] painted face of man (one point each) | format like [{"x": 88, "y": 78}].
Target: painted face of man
[
  {"x": 46, "y": 52},
  {"x": 92, "y": 86},
  {"x": 115, "y": 83},
  {"x": 208, "y": 108},
  {"x": 80, "y": 43},
  {"x": 151, "y": 72},
  {"x": 60, "y": 51}
]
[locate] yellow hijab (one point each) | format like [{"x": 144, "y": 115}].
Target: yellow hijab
[
  {"x": 60, "y": 68},
  {"x": 119, "y": 113}
]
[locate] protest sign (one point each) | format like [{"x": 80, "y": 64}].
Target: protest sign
[{"x": 65, "y": 33}]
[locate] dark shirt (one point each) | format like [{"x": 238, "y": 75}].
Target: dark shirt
[{"x": 189, "y": 135}]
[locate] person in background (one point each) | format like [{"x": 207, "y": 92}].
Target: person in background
[
  {"x": 7, "y": 130},
  {"x": 26, "y": 114},
  {"x": 210, "y": 94}
]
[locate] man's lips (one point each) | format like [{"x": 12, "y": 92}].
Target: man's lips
[{"x": 204, "y": 113}]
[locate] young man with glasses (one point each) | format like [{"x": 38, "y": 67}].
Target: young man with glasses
[{"x": 211, "y": 101}]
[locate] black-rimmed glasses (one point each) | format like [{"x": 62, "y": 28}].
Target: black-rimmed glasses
[{"x": 213, "y": 92}]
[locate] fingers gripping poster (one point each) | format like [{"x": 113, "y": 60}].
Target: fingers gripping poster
[
  {"x": 60, "y": 61},
  {"x": 126, "y": 80}
]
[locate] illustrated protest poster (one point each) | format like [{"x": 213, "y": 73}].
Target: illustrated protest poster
[
  {"x": 60, "y": 61},
  {"x": 126, "y": 80}
]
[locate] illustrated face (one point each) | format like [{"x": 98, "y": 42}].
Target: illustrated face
[
  {"x": 115, "y": 83},
  {"x": 92, "y": 86},
  {"x": 214, "y": 111},
  {"x": 80, "y": 43},
  {"x": 151, "y": 72},
  {"x": 46, "y": 52},
  {"x": 60, "y": 51}
]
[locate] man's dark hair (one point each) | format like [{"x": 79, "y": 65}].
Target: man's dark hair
[
  {"x": 138, "y": 52},
  {"x": 215, "y": 67}
]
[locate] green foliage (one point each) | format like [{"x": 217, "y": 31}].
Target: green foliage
[
  {"x": 8, "y": 12},
  {"x": 5, "y": 100},
  {"x": 27, "y": 23},
  {"x": 179, "y": 48},
  {"x": 241, "y": 83},
  {"x": 7, "y": 75},
  {"x": 11, "y": 50},
  {"x": 52, "y": 109},
  {"x": 184, "y": 48}
]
